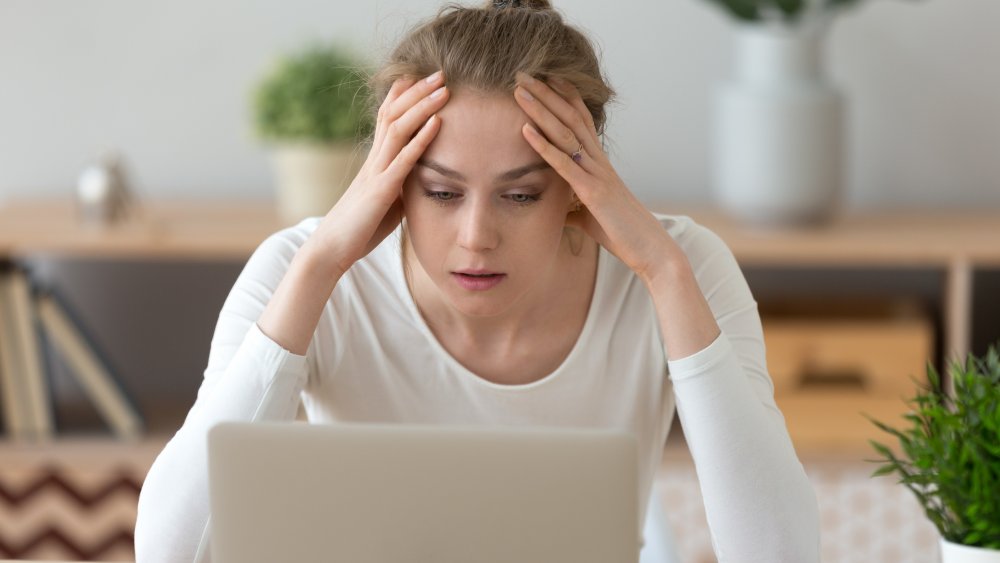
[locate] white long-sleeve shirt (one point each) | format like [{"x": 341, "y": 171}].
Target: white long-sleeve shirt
[{"x": 373, "y": 358}]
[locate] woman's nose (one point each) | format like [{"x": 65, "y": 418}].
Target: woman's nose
[{"x": 477, "y": 231}]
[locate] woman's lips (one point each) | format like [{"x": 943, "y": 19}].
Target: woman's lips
[{"x": 477, "y": 280}]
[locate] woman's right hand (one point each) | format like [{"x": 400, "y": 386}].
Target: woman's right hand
[{"x": 372, "y": 207}]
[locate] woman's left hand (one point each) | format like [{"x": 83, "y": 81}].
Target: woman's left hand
[{"x": 611, "y": 214}]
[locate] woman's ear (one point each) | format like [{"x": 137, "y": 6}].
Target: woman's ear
[{"x": 575, "y": 204}]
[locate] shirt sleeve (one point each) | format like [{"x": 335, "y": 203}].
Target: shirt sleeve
[
  {"x": 759, "y": 503},
  {"x": 249, "y": 378}
]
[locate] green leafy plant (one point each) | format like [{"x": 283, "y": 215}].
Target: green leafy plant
[
  {"x": 787, "y": 11},
  {"x": 951, "y": 451},
  {"x": 317, "y": 95}
]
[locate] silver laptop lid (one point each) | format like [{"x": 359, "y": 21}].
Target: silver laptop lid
[{"x": 380, "y": 493}]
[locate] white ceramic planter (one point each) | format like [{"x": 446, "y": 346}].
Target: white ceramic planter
[
  {"x": 311, "y": 178},
  {"x": 778, "y": 129},
  {"x": 957, "y": 553}
]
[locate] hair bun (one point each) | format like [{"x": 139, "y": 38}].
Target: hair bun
[{"x": 532, "y": 4}]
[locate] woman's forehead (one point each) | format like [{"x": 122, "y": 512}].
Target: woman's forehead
[
  {"x": 471, "y": 113},
  {"x": 481, "y": 136}
]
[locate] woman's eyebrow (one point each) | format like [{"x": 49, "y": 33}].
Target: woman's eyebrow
[{"x": 505, "y": 177}]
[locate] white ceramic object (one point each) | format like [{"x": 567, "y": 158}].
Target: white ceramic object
[
  {"x": 957, "y": 553},
  {"x": 311, "y": 178},
  {"x": 778, "y": 136},
  {"x": 103, "y": 194}
]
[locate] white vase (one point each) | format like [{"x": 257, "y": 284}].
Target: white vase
[
  {"x": 310, "y": 178},
  {"x": 778, "y": 129},
  {"x": 957, "y": 553}
]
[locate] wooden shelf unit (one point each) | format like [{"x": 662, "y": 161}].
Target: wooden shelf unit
[{"x": 833, "y": 358}]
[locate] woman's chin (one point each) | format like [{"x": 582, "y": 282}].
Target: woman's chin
[
  {"x": 488, "y": 303},
  {"x": 480, "y": 306}
]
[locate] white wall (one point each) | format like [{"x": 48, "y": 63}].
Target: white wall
[{"x": 168, "y": 83}]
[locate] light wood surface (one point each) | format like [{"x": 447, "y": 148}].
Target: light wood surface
[
  {"x": 887, "y": 237},
  {"x": 163, "y": 230},
  {"x": 876, "y": 358},
  {"x": 954, "y": 241}
]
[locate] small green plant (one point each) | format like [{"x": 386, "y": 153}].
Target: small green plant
[
  {"x": 319, "y": 94},
  {"x": 786, "y": 11},
  {"x": 951, "y": 451}
]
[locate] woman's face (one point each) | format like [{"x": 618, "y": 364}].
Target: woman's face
[{"x": 482, "y": 201}]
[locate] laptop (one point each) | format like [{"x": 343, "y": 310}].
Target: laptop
[{"x": 394, "y": 493}]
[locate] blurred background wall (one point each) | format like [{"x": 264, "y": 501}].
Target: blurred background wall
[{"x": 168, "y": 84}]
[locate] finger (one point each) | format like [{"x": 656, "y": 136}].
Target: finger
[
  {"x": 398, "y": 87},
  {"x": 561, "y": 162},
  {"x": 400, "y": 167},
  {"x": 556, "y": 117},
  {"x": 572, "y": 95},
  {"x": 558, "y": 134},
  {"x": 403, "y": 129},
  {"x": 413, "y": 90},
  {"x": 416, "y": 92}
]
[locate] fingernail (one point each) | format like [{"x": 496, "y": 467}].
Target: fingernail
[
  {"x": 434, "y": 77},
  {"x": 525, "y": 94},
  {"x": 437, "y": 93}
]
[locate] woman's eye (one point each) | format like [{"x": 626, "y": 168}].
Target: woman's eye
[
  {"x": 524, "y": 198},
  {"x": 440, "y": 196}
]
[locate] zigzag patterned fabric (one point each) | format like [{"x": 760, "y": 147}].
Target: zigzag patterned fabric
[{"x": 71, "y": 503}]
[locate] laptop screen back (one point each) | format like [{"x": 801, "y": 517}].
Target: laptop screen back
[{"x": 374, "y": 493}]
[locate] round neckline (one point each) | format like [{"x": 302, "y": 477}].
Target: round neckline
[{"x": 465, "y": 372}]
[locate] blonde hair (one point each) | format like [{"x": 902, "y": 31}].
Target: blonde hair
[{"x": 481, "y": 48}]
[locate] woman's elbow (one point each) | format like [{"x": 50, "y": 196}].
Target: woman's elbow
[{"x": 167, "y": 526}]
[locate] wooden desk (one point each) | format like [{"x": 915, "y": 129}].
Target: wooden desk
[
  {"x": 184, "y": 230},
  {"x": 957, "y": 242}
]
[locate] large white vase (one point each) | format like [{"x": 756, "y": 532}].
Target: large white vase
[
  {"x": 310, "y": 178},
  {"x": 957, "y": 553},
  {"x": 778, "y": 129}
]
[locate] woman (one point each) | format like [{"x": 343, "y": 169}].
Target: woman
[{"x": 526, "y": 285}]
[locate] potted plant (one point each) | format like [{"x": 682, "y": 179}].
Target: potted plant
[
  {"x": 788, "y": 11},
  {"x": 778, "y": 129},
  {"x": 312, "y": 108},
  {"x": 950, "y": 457}
]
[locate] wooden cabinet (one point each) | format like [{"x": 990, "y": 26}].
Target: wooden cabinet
[
  {"x": 828, "y": 372},
  {"x": 854, "y": 310}
]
